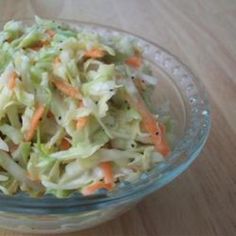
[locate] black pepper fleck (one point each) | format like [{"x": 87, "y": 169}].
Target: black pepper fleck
[
  {"x": 157, "y": 133},
  {"x": 132, "y": 77},
  {"x": 132, "y": 145},
  {"x": 60, "y": 49},
  {"x": 59, "y": 117},
  {"x": 96, "y": 102}
]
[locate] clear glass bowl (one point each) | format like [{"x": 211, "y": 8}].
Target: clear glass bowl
[{"x": 188, "y": 105}]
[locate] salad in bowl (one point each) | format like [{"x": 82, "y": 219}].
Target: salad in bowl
[
  {"x": 75, "y": 111},
  {"x": 92, "y": 120}
]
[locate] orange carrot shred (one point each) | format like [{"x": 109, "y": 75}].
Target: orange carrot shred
[
  {"x": 40, "y": 44},
  {"x": 92, "y": 188},
  {"x": 37, "y": 46},
  {"x": 81, "y": 122},
  {"x": 94, "y": 53},
  {"x": 151, "y": 125},
  {"x": 64, "y": 145},
  {"x": 34, "y": 122},
  {"x": 106, "y": 168},
  {"x": 156, "y": 132},
  {"x": 164, "y": 148},
  {"x": 12, "y": 80},
  {"x": 67, "y": 89},
  {"x": 134, "y": 61}
]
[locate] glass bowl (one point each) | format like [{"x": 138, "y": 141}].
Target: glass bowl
[{"x": 178, "y": 90}]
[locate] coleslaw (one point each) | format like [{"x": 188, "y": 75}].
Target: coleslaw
[{"x": 74, "y": 111}]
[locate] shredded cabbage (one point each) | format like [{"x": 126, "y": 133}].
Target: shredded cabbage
[
  {"x": 64, "y": 109},
  {"x": 3, "y": 145}
]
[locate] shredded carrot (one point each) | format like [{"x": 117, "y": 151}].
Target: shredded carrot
[
  {"x": 51, "y": 33},
  {"x": 37, "y": 46},
  {"x": 40, "y": 44},
  {"x": 151, "y": 126},
  {"x": 134, "y": 61},
  {"x": 67, "y": 89},
  {"x": 64, "y": 145},
  {"x": 164, "y": 148},
  {"x": 81, "y": 122},
  {"x": 92, "y": 188},
  {"x": 157, "y": 135},
  {"x": 12, "y": 80},
  {"x": 106, "y": 168},
  {"x": 34, "y": 122},
  {"x": 94, "y": 53},
  {"x": 155, "y": 130}
]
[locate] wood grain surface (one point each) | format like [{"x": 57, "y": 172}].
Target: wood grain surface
[{"x": 202, "y": 33}]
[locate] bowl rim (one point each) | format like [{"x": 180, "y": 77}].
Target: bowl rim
[{"x": 22, "y": 203}]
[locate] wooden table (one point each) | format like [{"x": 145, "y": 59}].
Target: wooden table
[{"x": 202, "y": 201}]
